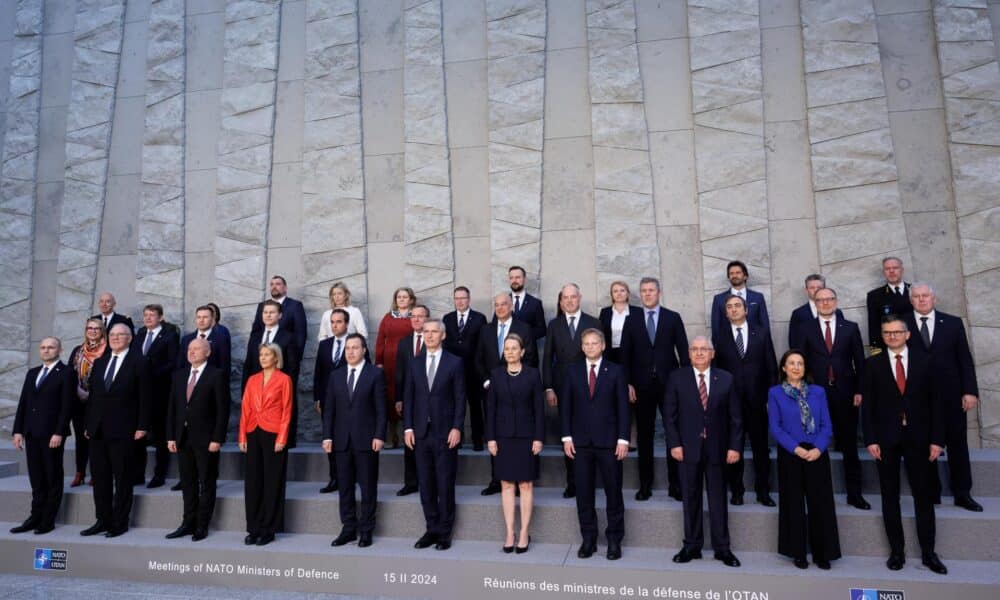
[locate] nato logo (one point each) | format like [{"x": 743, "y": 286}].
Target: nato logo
[
  {"x": 867, "y": 594},
  {"x": 47, "y": 559}
]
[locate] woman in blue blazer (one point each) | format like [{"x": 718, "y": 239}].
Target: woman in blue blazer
[
  {"x": 515, "y": 432},
  {"x": 800, "y": 422}
]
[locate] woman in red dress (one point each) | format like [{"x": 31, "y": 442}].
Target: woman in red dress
[{"x": 395, "y": 325}]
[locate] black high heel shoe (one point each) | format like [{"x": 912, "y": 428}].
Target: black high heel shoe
[
  {"x": 508, "y": 549},
  {"x": 521, "y": 550}
]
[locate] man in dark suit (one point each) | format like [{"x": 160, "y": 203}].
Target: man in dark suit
[
  {"x": 653, "y": 346},
  {"x": 407, "y": 349},
  {"x": 41, "y": 426},
  {"x": 433, "y": 418},
  {"x": 218, "y": 338},
  {"x": 804, "y": 317},
  {"x": 745, "y": 351},
  {"x": 489, "y": 354},
  {"x": 702, "y": 420},
  {"x": 274, "y": 333},
  {"x": 354, "y": 432},
  {"x": 737, "y": 273},
  {"x": 293, "y": 316},
  {"x": 942, "y": 337},
  {"x": 563, "y": 347},
  {"x": 903, "y": 422},
  {"x": 527, "y": 308},
  {"x": 159, "y": 345},
  {"x": 595, "y": 429},
  {"x": 197, "y": 418},
  {"x": 462, "y": 327},
  {"x": 329, "y": 357},
  {"x": 893, "y": 298},
  {"x": 106, "y": 303},
  {"x": 118, "y": 415},
  {"x": 835, "y": 357}
]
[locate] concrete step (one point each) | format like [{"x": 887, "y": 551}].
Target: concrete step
[
  {"x": 472, "y": 568},
  {"x": 9, "y": 468},
  {"x": 309, "y": 464},
  {"x": 657, "y": 523}
]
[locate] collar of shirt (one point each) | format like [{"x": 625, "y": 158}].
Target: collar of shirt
[
  {"x": 595, "y": 363},
  {"x": 279, "y": 300},
  {"x": 517, "y": 295},
  {"x": 357, "y": 368},
  {"x": 812, "y": 309},
  {"x": 742, "y": 293},
  {"x": 930, "y": 318},
  {"x": 207, "y": 333},
  {"x": 506, "y": 323},
  {"x": 200, "y": 369},
  {"x": 120, "y": 355},
  {"x": 743, "y": 326},
  {"x": 575, "y": 315},
  {"x": 108, "y": 316},
  {"x": 50, "y": 364},
  {"x": 437, "y": 357},
  {"x": 832, "y": 319},
  {"x": 273, "y": 331},
  {"x": 459, "y": 315},
  {"x": 155, "y": 331},
  {"x": 905, "y": 357},
  {"x": 707, "y": 373}
]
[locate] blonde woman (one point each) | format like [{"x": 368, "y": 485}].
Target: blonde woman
[{"x": 340, "y": 297}]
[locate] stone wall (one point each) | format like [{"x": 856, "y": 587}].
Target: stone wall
[{"x": 180, "y": 151}]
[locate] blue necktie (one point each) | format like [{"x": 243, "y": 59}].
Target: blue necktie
[
  {"x": 740, "y": 347},
  {"x": 147, "y": 343},
  {"x": 350, "y": 386},
  {"x": 41, "y": 379},
  {"x": 500, "y": 340},
  {"x": 651, "y": 327},
  {"x": 336, "y": 354},
  {"x": 110, "y": 376}
]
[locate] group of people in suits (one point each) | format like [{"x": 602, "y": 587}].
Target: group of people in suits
[{"x": 154, "y": 387}]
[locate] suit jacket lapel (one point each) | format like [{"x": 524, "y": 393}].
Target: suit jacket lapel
[
  {"x": 55, "y": 369},
  {"x": 713, "y": 392}
]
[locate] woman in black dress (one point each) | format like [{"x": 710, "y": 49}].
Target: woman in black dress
[{"x": 515, "y": 430}]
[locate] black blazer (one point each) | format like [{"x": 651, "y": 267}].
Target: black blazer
[
  {"x": 465, "y": 343},
  {"x": 404, "y": 354},
  {"x": 206, "y": 416},
  {"x": 605, "y": 319},
  {"x": 285, "y": 340},
  {"x": 954, "y": 370},
  {"x": 515, "y": 406},
  {"x": 443, "y": 405},
  {"x": 47, "y": 410},
  {"x": 757, "y": 370},
  {"x": 118, "y": 412},
  {"x": 487, "y": 357},
  {"x": 531, "y": 313},
  {"x": 162, "y": 360},
  {"x": 684, "y": 420},
  {"x": 293, "y": 319},
  {"x": 756, "y": 310},
  {"x": 642, "y": 360},
  {"x": 325, "y": 366},
  {"x": 882, "y": 301},
  {"x": 562, "y": 349},
  {"x": 847, "y": 358},
  {"x": 359, "y": 417},
  {"x": 802, "y": 318},
  {"x": 222, "y": 350},
  {"x": 116, "y": 319},
  {"x": 884, "y": 406},
  {"x": 599, "y": 421}
]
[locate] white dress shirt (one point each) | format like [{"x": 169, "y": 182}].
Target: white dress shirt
[
  {"x": 708, "y": 378},
  {"x": 905, "y": 354},
  {"x": 833, "y": 327},
  {"x": 617, "y": 325},
  {"x": 742, "y": 293},
  {"x": 931, "y": 318},
  {"x": 812, "y": 309},
  {"x": 118, "y": 364},
  {"x": 270, "y": 339},
  {"x": 576, "y": 318},
  {"x": 357, "y": 373},
  {"x": 746, "y": 333}
]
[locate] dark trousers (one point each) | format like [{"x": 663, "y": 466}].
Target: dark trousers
[
  {"x": 589, "y": 460},
  {"x": 694, "y": 477},
  {"x": 913, "y": 455},
  {"x": 803, "y": 484},
  {"x": 264, "y": 494},
  {"x": 361, "y": 467},
  {"x": 111, "y": 470},
  {"x": 331, "y": 460},
  {"x": 82, "y": 453},
  {"x": 957, "y": 452},
  {"x": 161, "y": 457},
  {"x": 755, "y": 427},
  {"x": 409, "y": 467},
  {"x": 437, "y": 466},
  {"x": 199, "y": 470},
  {"x": 475, "y": 398},
  {"x": 844, "y": 416},
  {"x": 647, "y": 400},
  {"x": 45, "y": 472}
]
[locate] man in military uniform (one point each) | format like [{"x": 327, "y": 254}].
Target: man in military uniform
[{"x": 892, "y": 298}]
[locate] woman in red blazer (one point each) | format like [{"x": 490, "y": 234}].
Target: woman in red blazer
[{"x": 264, "y": 422}]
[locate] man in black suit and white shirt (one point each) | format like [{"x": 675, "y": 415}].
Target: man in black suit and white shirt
[
  {"x": 407, "y": 349},
  {"x": 41, "y": 426},
  {"x": 197, "y": 419},
  {"x": 563, "y": 347},
  {"x": 804, "y": 316},
  {"x": 893, "y": 298},
  {"x": 942, "y": 337},
  {"x": 106, "y": 303},
  {"x": 159, "y": 345},
  {"x": 293, "y": 317},
  {"x": 329, "y": 357},
  {"x": 462, "y": 327},
  {"x": 118, "y": 415},
  {"x": 527, "y": 308},
  {"x": 217, "y": 337}
]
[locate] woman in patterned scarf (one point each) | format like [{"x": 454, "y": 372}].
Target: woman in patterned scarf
[{"x": 95, "y": 344}]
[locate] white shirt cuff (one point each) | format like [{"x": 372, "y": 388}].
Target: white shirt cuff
[
  {"x": 407, "y": 431},
  {"x": 620, "y": 442},
  {"x": 567, "y": 438},
  {"x": 327, "y": 440},
  {"x": 486, "y": 384}
]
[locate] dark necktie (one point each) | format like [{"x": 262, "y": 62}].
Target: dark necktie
[
  {"x": 925, "y": 332},
  {"x": 202, "y": 335},
  {"x": 106, "y": 319},
  {"x": 517, "y": 304},
  {"x": 267, "y": 337},
  {"x": 739, "y": 342},
  {"x": 703, "y": 396},
  {"x": 651, "y": 327},
  {"x": 592, "y": 379},
  {"x": 191, "y": 383},
  {"x": 110, "y": 376},
  {"x": 828, "y": 339},
  {"x": 572, "y": 327},
  {"x": 350, "y": 385},
  {"x": 898, "y": 293},
  {"x": 336, "y": 353},
  {"x": 900, "y": 374},
  {"x": 461, "y": 323},
  {"x": 416, "y": 347},
  {"x": 41, "y": 378}
]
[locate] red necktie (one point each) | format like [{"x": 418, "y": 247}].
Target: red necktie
[
  {"x": 416, "y": 351},
  {"x": 828, "y": 338},
  {"x": 592, "y": 380},
  {"x": 703, "y": 396},
  {"x": 900, "y": 374}
]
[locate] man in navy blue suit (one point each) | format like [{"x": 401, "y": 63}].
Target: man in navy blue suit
[
  {"x": 702, "y": 419},
  {"x": 462, "y": 327},
  {"x": 527, "y": 308},
  {"x": 218, "y": 339},
  {"x": 653, "y": 346},
  {"x": 942, "y": 337},
  {"x": 158, "y": 344},
  {"x": 330, "y": 356},
  {"x": 595, "y": 429},
  {"x": 737, "y": 273},
  {"x": 41, "y": 426},
  {"x": 805, "y": 315},
  {"x": 354, "y": 432},
  {"x": 433, "y": 418},
  {"x": 293, "y": 315}
]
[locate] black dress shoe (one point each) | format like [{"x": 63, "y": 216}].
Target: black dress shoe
[
  {"x": 28, "y": 525},
  {"x": 330, "y": 487},
  {"x": 508, "y": 549},
  {"x": 686, "y": 555},
  {"x": 587, "y": 549},
  {"x": 115, "y": 532},
  {"x": 443, "y": 544},
  {"x": 895, "y": 562},
  {"x": 156, "y": 482},
  {"x": 614, "y": 551},
  {"x": 675, "y": 494},
  {"x": 569, "y": 492},
  {"x": 932, "y": 562},
  {"x": 858, "y": 502},
  {"x": 822, "y": 563},
  {"x": 265, "y": 539},
  {"x": 968, "y": 503},
  {"x": 406, "y": 490},
  {"x": 765, "y": 500},
  {"x": 43, "y": 529},
  {"x": 365, "y": 540},
  {"x": 98, "y": 527},
  {"x": 736, "y": 499},
  {"x": 199, "y": 534},
  {"x": 521, "y": 550},
  {"x": 643, "y": 494},
  {"x": 181, "y": 531},
  {"x": 801, "y": 563},
  {"x": 176, "y": 487},
  {"x": 250, "y": 539},
  {"x": 727, "y": 558},
  {"x": 426, "y": 541},
  {"x": 344, "y": 537},
  {"x": 492, "y": 488}
]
